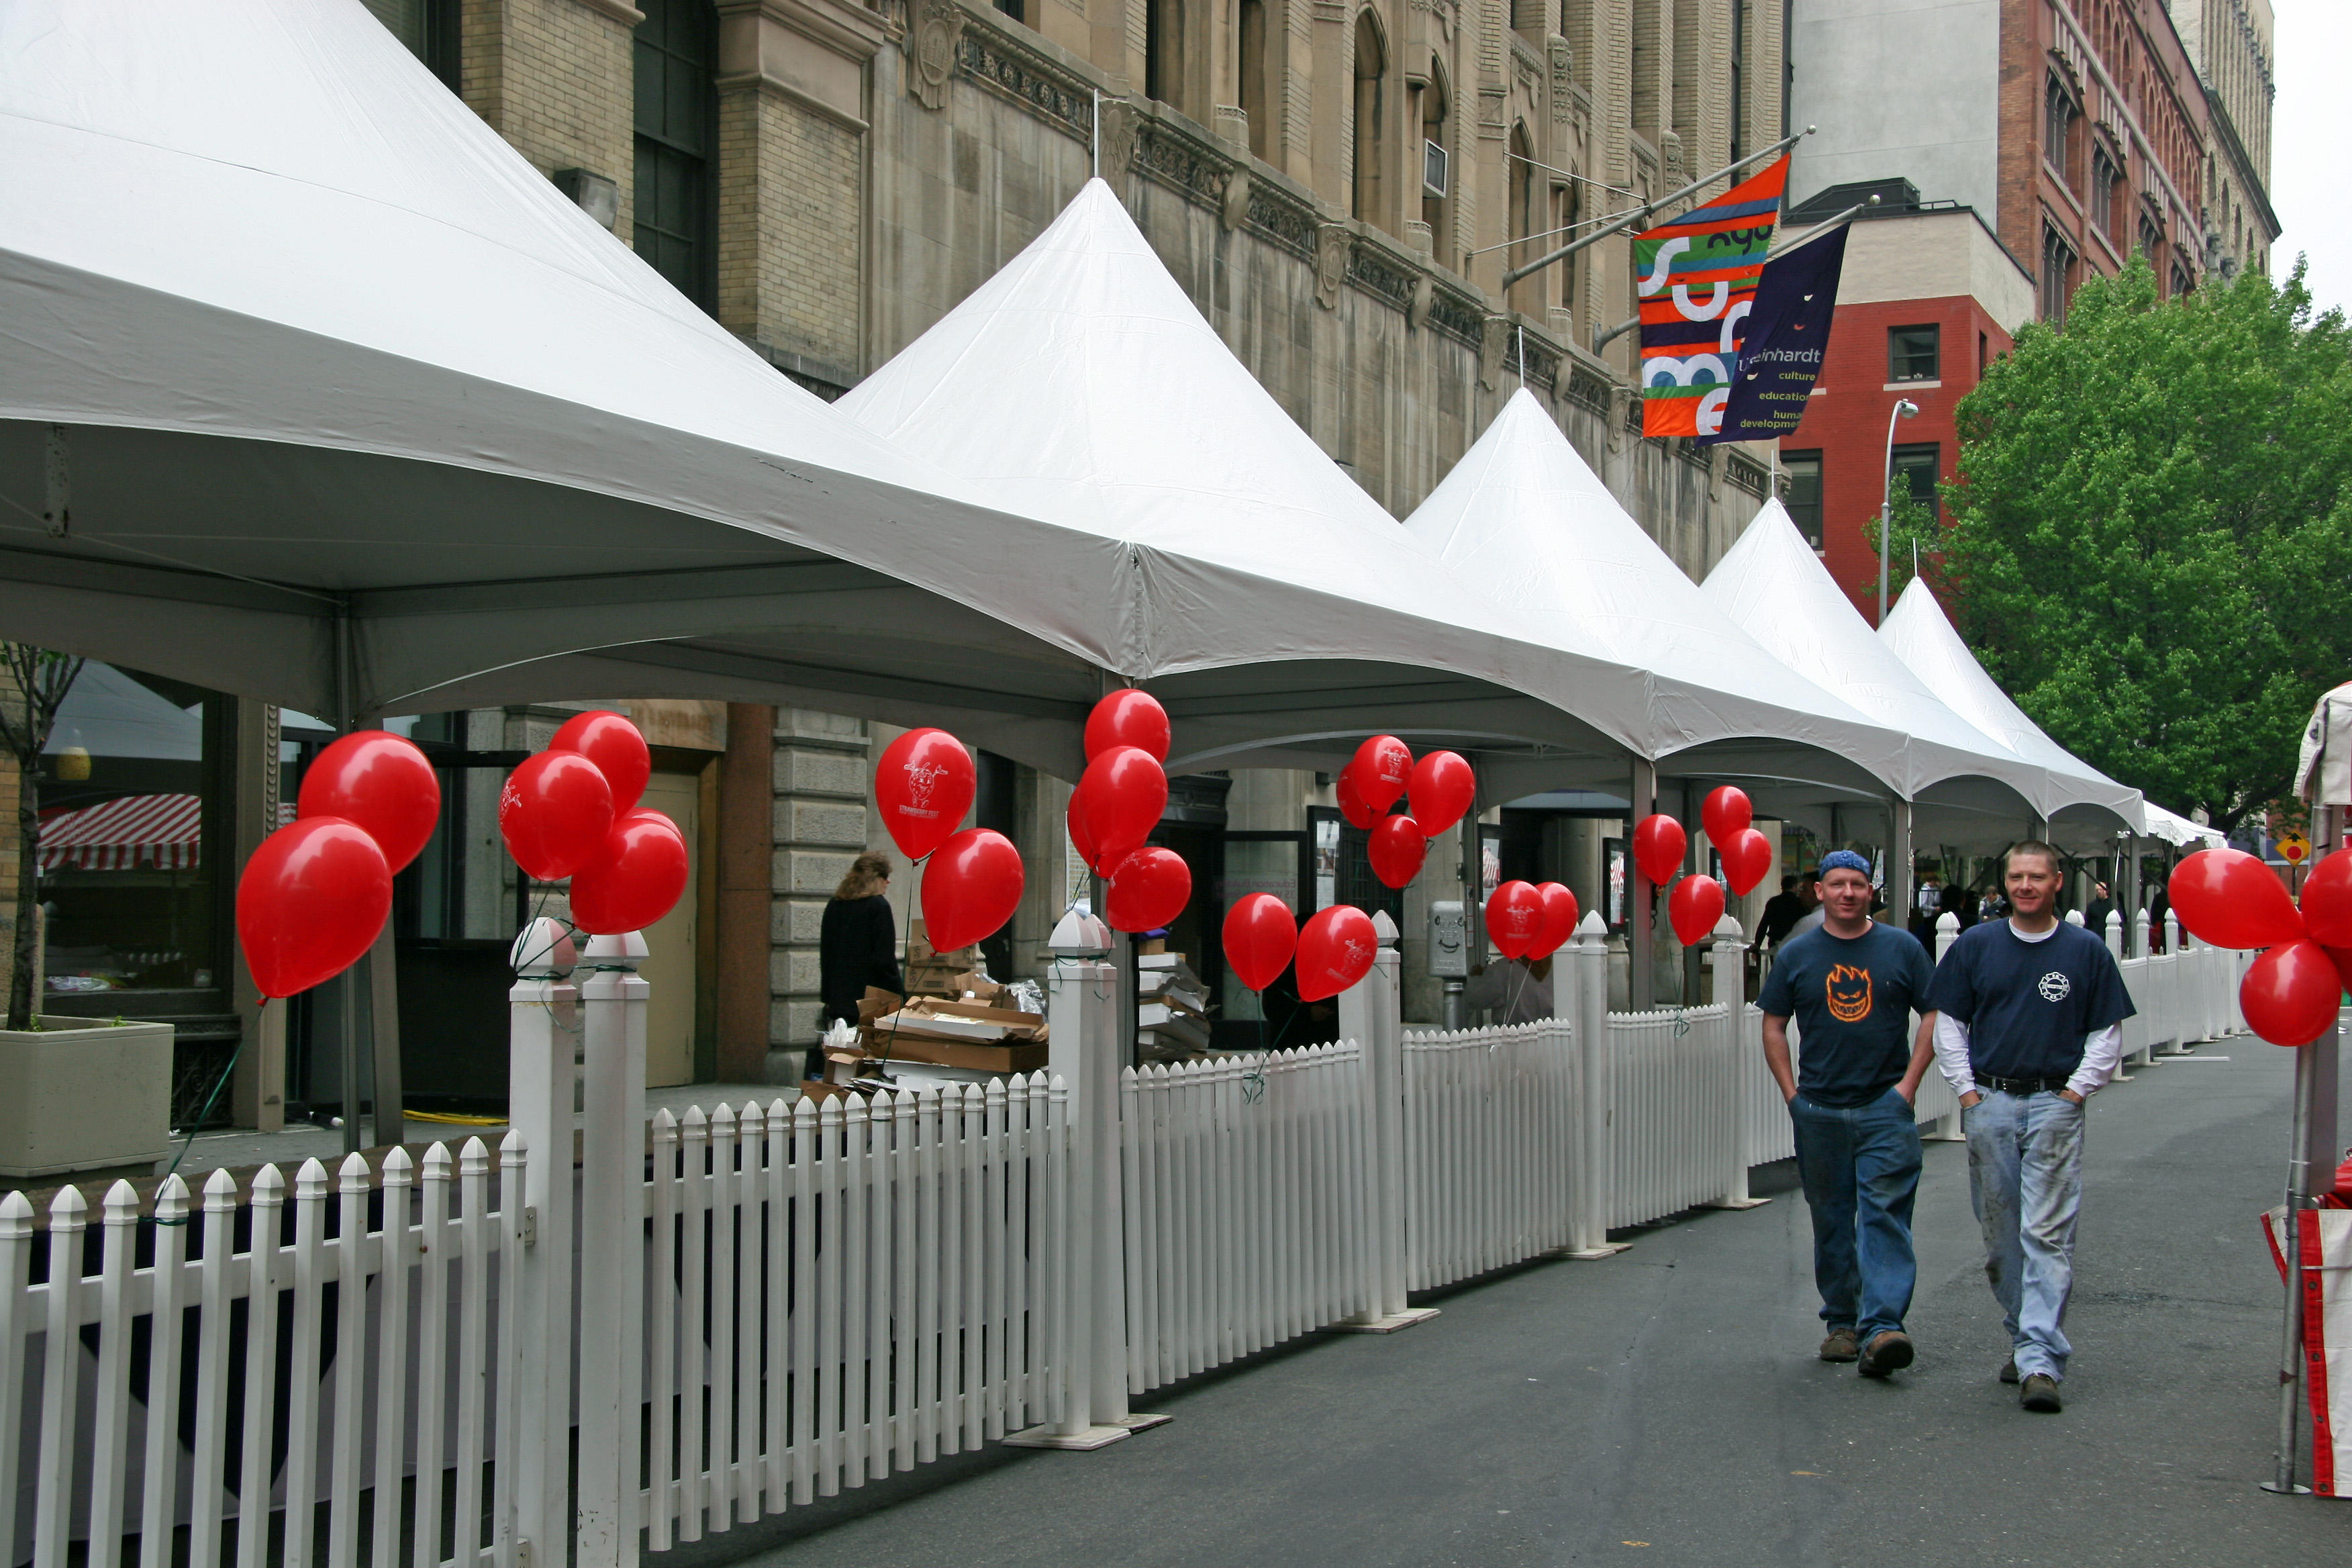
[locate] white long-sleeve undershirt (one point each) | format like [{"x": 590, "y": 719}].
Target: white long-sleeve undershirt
[{"x": 2103, "y": 1050}]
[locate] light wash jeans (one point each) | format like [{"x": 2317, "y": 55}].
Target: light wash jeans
[
  {"x": 2025, "y": 1182},
  {"x": 1860, "y": 1165}
]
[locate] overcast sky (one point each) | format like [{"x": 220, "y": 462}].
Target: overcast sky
[{"x": 2308, "y": 172}]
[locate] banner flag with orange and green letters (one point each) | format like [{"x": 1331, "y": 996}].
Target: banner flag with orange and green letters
[{"x": 1696, "y": 279}]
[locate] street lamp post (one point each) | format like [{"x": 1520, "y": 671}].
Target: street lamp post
[{"x": 1903, "y": 409}]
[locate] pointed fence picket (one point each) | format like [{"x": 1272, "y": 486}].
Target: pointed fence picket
[
  {"x": 844, "y": 1288},
  {"x": 286, "y": 1450},
  {"x": 1491, "y": 1148}
]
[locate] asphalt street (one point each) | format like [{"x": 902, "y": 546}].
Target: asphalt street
[{"x": 1664, "y": 1407}]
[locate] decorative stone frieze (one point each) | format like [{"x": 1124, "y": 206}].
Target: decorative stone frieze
[{"x": 934, "y": 35}]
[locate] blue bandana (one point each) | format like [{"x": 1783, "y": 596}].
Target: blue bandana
[{"x": 1844, "y": 860}]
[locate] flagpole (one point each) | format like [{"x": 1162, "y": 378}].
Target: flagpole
[{"x": 1641, "y": 214}]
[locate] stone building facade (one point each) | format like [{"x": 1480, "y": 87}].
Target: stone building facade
[{"x": 2229, "y": 42}]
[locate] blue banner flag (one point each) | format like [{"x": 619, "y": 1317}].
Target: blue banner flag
[{"x": 1788, "y": 334}]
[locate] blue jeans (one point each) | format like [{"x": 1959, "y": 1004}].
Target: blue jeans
[
  {"x": 2025, "y": 1182},
  {"x": 1860, "y": 1170}
]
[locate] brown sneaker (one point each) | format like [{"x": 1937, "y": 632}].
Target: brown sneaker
[
  {"x": 1889, "y": 1351},
  {"x": 1840, "y": 1346},
  {"x": 2008, "y": 1370},
  {"x": 2039, "y": 1393}
]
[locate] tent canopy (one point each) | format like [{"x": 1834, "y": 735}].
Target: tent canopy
[
  {"x": 330, "y": 398},
  {"x": 1924, "y": 638},
  {"x": 1772, "y": 584},
  {"x": 1523, "y": 515}
]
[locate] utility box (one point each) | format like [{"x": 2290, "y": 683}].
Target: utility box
[{"x": 1449, "y": 939}]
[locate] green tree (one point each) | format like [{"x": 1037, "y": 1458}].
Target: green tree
[
  {"x": 2151, "y": 536},
  {"x": 38, "y": 680}
]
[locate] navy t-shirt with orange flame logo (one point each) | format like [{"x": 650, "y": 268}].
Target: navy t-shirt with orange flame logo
[{"x": 1852, "y": 998}]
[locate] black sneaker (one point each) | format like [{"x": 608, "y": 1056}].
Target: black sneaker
[
  {"x": 2039, "y": 1393},
  {"x": 2008, "y": 1370},
  {"x": 1841, "y": 1345},
  {"x": 1887, "y": 1351}
]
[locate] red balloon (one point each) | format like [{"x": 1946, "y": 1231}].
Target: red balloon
[
  {"x": 1260, "y": 934},
  {"x": 1149, "y": 888},
  {"x": 1121, "y": 795},
  {"x": 1397, "y": 850},
  {"x": 923, "y": 785},
  {"x": 1082, "y": 839},
  {"x": 2327, "y": 900},
  {"x": 1695, "y": 906},
  {"x": 2229, "y": 899},
  {"x": 1558, "y": 919},
  {"x": 970, "y": 888},
  {"x": 555, "y": 813},
  {"x": 1351, "y": 800},
  {"x": 312, "y": 898},
  {"x": 1658, "y": 844},
  {"x": 381, "y": 782},
  {"x": 1383, "y": 765},
  {"x": 1725, "y": 814},
  {"x": 615, "y": 746},
  {"x": 1336, "y": 948},
  {"x": 2342, "y": 958},
  {"x": 1442, "y": 789},
  {"x": 2291, "y": 995},
  {"x": 635, "y": 879},
  {"x": 1514, "y": 918},
  {"x": 1127, "y": 717},
  {"x": 1747, "y": 856}
]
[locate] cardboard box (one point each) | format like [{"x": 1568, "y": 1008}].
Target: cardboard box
[{"x": 1020, "y": 1057}]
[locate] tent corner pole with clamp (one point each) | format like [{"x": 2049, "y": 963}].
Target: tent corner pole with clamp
[{"x": 1638, "y": 214}]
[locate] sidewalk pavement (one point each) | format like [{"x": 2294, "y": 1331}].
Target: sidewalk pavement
[{"x": 1664, "y": 1407}]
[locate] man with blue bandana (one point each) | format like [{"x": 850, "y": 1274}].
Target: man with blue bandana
[{"x": 1851, "y": 985}]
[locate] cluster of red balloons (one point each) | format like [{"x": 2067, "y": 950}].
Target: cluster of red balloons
[
  {"x": 923, "y": 785},
  {"x": 1530, "y": 920},
  {"x": 1746, "y": 853},
  {"x": 572, "y": 811},
  {"x": 2229, "y": 899},
  {"x": 1120, "y": 800},
  {"x": 1334, "y": 949},
  {"x": 1695, "y": 906},
  {"x": 1439, "y": 788},
  {"x": 315, "y": 894}
]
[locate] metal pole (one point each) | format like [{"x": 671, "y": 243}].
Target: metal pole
[
  {"x": 1640, "y": 910},
  {"x": 347, "y": 984},
  {"x": 2298, "y": 1184},
  {"x": 1903, "y": 409},
  {"x": 1640, "y": 214}
]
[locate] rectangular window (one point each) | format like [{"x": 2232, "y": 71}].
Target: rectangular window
[
  {"x": 1804, "y": 496},
  {"x": 2059, "y": 115},
  {"x": 2105, "y": 178},
  {"x": 1912, "y": 352},
  {"x": 675, "y": 110},
  {"x": 1984, "y": 354},
  {"x": 1913, "y": 471},
  {"x": 429, "y": 30}
]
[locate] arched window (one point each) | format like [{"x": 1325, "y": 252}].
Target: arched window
[
  {"x": 1526, "y": 205},
  {"x": 1437, "y": 173},
  {"x": 1371, "y": 115}
]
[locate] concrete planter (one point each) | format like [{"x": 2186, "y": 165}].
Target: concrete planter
[{"x": 76, "y": 1095}]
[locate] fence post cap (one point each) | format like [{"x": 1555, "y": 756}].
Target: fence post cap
[
  {"x": 1947, "y": 921},
  {"x": 1592, "y": 924},
  {"x": 1384, "y": 928},
  {"x": 543, "y": 947},
  {"x": 626, "y": 949}
]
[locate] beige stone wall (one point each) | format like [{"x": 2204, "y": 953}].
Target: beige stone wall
[
  {"x": 789, "y": 247},
  {"x": 556, "y": 79},
  {"x": 821, "y": 769}
]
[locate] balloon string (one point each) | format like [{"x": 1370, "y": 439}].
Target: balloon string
[
  {"x": 906, "y": 962},
  {"x": 202, "y": 1116}
]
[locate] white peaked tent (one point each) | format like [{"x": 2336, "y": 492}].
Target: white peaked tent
[
  {"x": 1524, "y": 515},
  {"x": 1772, "y": 585},
  {"x": 311, "y": 388},
  {"x": 1081, "y": 385},
  {"x": 1921, "y": 635},
  {"x": 2179, "y": 832}
]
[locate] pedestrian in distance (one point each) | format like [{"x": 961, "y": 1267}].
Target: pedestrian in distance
[
  {"x": 858, "y": 946},
  {"x": 2027, "y": 1015},
  {"x": 1781, "y": 911},
  {"x": 1851, "y": 987}
]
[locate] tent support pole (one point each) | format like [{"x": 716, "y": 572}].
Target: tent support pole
[
  {"x": 1692, "y": 991},
  {"x": 1641, "y": 910},
  {"x": 1900, "y": 872},
  {"x": 347, "y": 984},
  {"x": 1473, "y": 879}
]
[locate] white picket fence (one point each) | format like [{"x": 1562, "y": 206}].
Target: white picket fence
[
  {"x": 354, "y": 1360},
  {"x": 1491, "y": 1147},
  {"x": 845, "y": 1289},
  {"x": 1247, "y": 1222},
  {"x": 795, "y": 1300}
]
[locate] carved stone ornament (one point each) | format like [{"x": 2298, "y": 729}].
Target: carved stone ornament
[
  {"x": 1416, "y": 308},
  {"x": 1494, "y": 340},
  {"x": 1620, "y": 397},
  {"x": 1234, "y": 211},
  {"x": 1117, "y": 130},
  {"x": 931, "y": 50},
  {"x": 1717, "y": 465},
  {"x": 1333, "y": 246},
  {"x": 1670, "y": 150}
]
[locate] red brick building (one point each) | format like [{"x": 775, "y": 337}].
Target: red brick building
[{"x": 1929, "y": 296}]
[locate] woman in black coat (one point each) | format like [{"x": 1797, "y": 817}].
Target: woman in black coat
[{"x": 857, "y": 945}]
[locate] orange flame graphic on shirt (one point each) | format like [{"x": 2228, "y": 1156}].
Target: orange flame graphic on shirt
[{"x": 1848, "y": 989}]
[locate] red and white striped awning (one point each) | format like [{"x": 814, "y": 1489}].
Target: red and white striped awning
[{"x": 159, "y": 830}]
